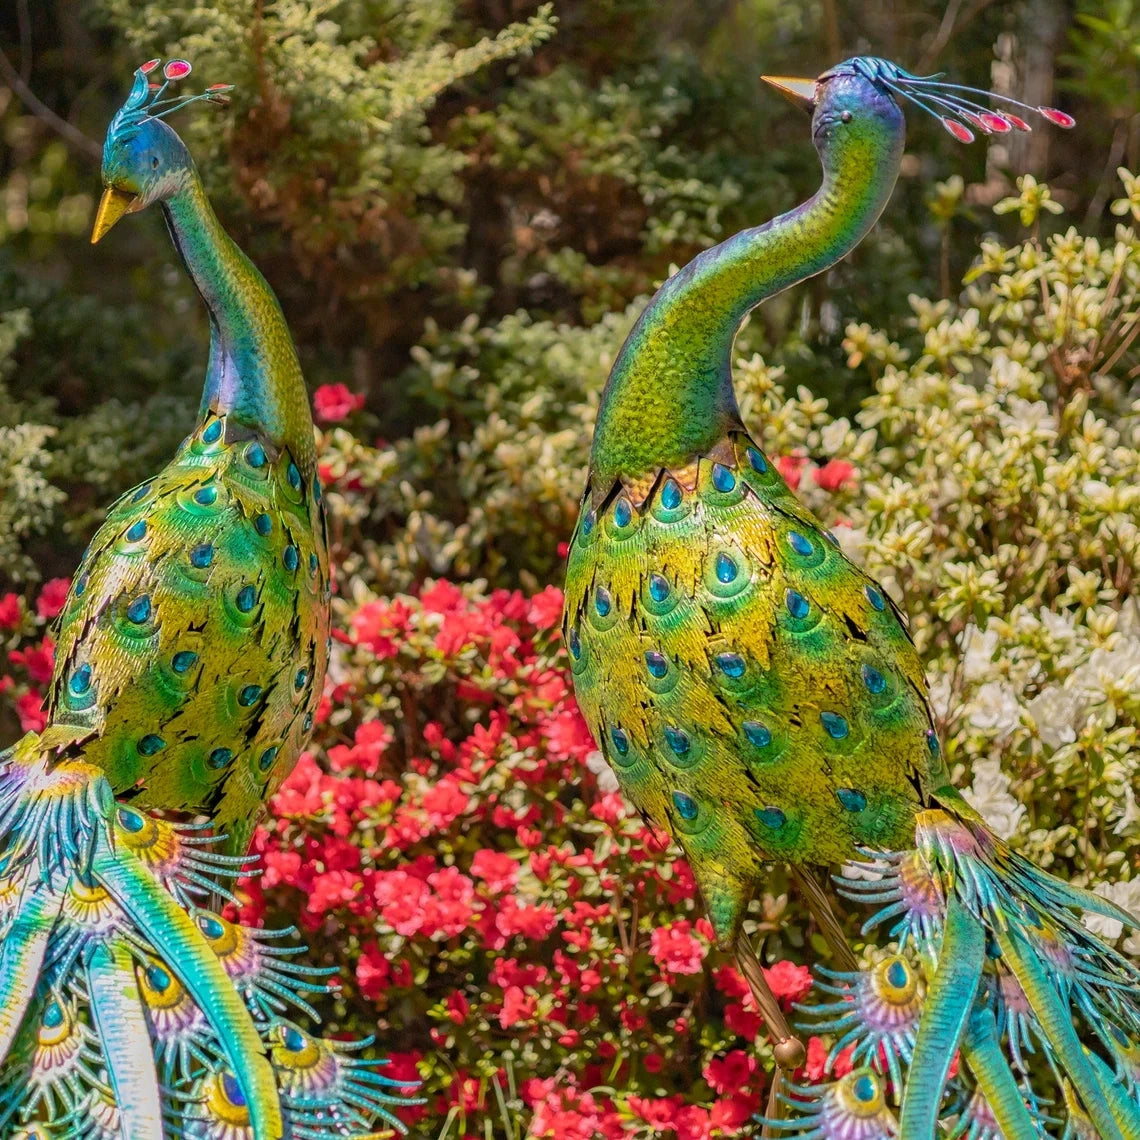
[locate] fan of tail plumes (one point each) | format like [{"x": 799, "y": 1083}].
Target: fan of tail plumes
[
  {"x": 128, "y": 1009},
  {"x": 989, "y": 1011},
  {"x": 952, "y": 103}
]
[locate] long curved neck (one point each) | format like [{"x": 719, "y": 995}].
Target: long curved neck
[
  {"x": 253, "y": 374},
  {"x": 669, "y": 396}
]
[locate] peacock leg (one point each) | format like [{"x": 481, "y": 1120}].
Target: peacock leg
[
  {"x": 823, "y": 911},
  {"x": 120, "y": 1021},
  {"x": 949, "y": 998},
  {"x": 787, "y": 1049},
  {"x": 983, "y": 1055}
]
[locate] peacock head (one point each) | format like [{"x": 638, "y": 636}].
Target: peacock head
[
  {"x": 862, "y": 96},
  {"x": 144, "y": 161}
]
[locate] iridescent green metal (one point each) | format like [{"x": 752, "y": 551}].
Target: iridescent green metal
[{"x": 757, "y": 695}]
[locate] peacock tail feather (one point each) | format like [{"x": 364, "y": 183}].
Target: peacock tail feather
[
  {"x": 130, "y": 1009},
  {"x": 194, "y": 642}
]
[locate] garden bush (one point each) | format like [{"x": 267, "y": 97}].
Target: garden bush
[{"x": 516, "y": 936}]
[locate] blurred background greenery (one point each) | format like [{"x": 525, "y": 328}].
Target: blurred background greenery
[{"x": 461, "y": 204}]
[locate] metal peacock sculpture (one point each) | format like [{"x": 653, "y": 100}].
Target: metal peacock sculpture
[
  {"x": 191, "y": 655},
  {"x": 758, "y": 696}
]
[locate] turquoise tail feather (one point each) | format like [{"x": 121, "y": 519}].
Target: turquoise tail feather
[
  {"x": 129, "y": 1012},
  {"x": 987, "y": 956},
  {"x": 949, "y": 998},
  {"x": 120, "y": 1022}
]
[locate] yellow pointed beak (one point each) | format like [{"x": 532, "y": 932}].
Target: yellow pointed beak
[
  {"x": 798, "y": 91},
  {"x": 112, "y": 206}
]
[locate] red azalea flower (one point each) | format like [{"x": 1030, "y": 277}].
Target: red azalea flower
[
  {"x": 791, "y": 467},
  {"x": 730, "y": 1073},
  {"x": 52, "y": 597},
  {"x": 334, "y": 402},
  {"x": 834, "y": 474},
  {"x": 497, "y": 870},
  {"x": 29, "y": 707},
  {"x": 676, "y": 950},
  {"x": 788, "y": 982},
  {"x": 9, "y": 611}
]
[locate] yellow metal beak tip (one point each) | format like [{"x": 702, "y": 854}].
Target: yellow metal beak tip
[
  {"x": 798, "y": 91},
  {"x": 112, "y": 206}
]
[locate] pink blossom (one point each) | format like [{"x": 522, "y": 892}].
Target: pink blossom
[{"x": 334, "y": 402}]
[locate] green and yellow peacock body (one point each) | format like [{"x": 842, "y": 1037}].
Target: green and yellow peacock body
[
  {"x": 758, "y": 696},
  {"x": 191, "y": 655}
]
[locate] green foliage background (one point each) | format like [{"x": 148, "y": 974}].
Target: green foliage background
[{"x": 461, "y": 209}]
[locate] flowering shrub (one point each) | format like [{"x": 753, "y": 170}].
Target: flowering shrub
[{"x": 454, "y": 844}]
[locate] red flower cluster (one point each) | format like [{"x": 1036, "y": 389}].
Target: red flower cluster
[{"x": 334, "y": 402}]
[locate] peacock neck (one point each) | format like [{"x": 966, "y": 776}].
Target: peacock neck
[
  {"x": 254, "y": 376},
  {"x": 669, "y": 397}
]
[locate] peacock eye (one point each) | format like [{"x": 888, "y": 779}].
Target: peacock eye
[{"x": 846, "y": 116}]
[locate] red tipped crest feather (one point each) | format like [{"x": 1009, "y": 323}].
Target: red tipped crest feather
[
  {"x": 177, "y": 69},
  {"x": 958, "y": 130},
  {"x": 1059, "y": 118},
  {"x": 149, "y": 66}
]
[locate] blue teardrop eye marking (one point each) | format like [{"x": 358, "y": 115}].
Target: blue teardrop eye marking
[
  {"x": 759, "y": 463},
  {"x": 875, "y": 598},
  {"x": 771, "y": 817},
  {"x": 723, "y": 479},
  {"x": 307, "y": 723},
  {"x": 150, "y": 744},
  {"x": 575, "y": 644},
  {"x": 685, "y": 805},
  {"x": 834, "y": 725},
  {"x": 81, "y": 586},
  {"x": 656, "y": 664},
  {"x": 678, "y": 740},
  {"x": 137, "y": 531},
  {"x": 158, "y": 979},
  {"x": 587, "y": 522},
  {"x": 219, "y": 758},
  {"x": 620, "y": 739},
  {"x": 932, "y": 742},
  {"x": 139, "y": 610},
  {"x": 291, "y": 558},
  {"x": 248, "y": 695},
  {"x": 211, "y": 927},
  {"x": 623, "y": 513},
  {"x": 799, "y": 543},
  {"x": 206, "y": 497},
  {"x": 873, "y": 679},
  {"x": 130, "y": 820},
  {"x": 602, "y": 601},
  {"x": 293, "y": 1040},
  {"x": 851, "y": 799},
  {"x": 183, "y": 660},
  {"x": 726, "y": 569},
  {"x": 246, "y": 596},
  {"x": 213, "y": 432},
  {"x": 671, "y": 495},
  {"x": 141, "y": 493},
  {"x": 201, "y": 556},
  {"x": 80, "y": 680},
  {"x": 312, "y": 563},
  {"x": 267, "y": 758},
  {"x": 53, "y": 1016},
  {"x": 658, "y": 588},
  {"x": 300, "y": 679},
  {"x": 865, "y": 1089},
  {"x": 263, "y": 524},
  {"x": 798, "y": 605},
  {"x": 897, "y": 974},
  {"x": 255, "y": 456},
  {"x": 757, "y": 733},
  {"x": 232, "y": 1090},
  {"x": 730, "y": 664}
]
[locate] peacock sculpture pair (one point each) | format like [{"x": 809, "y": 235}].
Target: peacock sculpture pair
[{"x": 755, "y": 693}]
